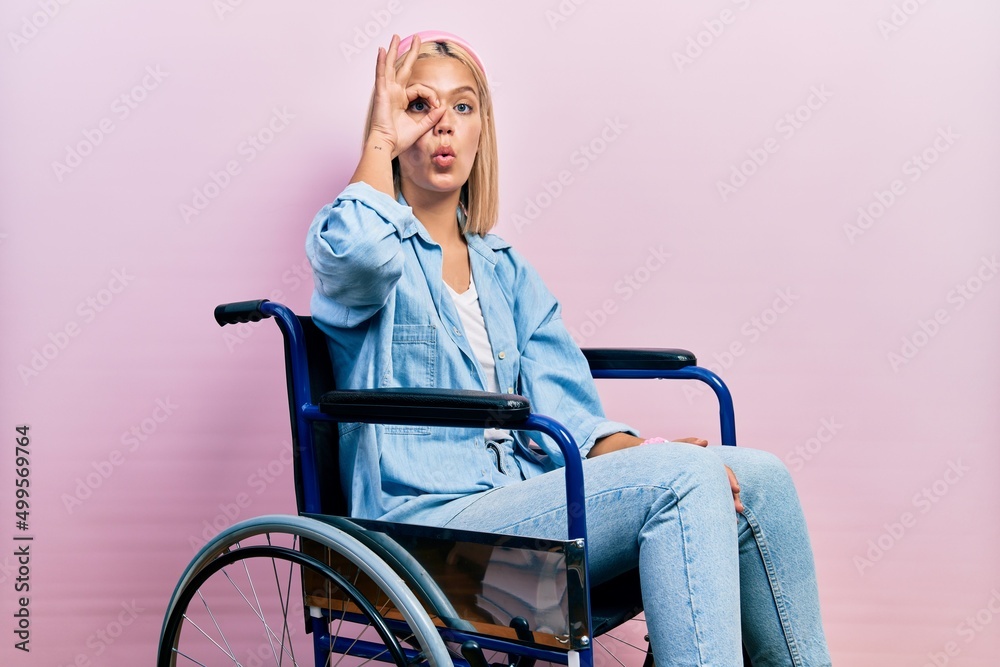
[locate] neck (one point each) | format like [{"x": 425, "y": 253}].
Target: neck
[{"x": 436, "y": 211}]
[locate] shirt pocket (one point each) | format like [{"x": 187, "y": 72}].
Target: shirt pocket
[{"x": 414, "y": 354}]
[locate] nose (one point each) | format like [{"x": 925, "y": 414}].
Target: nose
[{"x": 446, "y": 125}]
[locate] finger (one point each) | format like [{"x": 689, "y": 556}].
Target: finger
[
  {"x": 429, "y": 119},
  {"x": 380, "y": 69},
  {"x": 701, "y": 442},
  {"x": 406, "y": 67},
  {"x": 733, "y": 483},
  {"x": 421, "y": 91},
  {"x": 734, "y": 486},
  {"x": 391, "y": 54},
  {"x": 432, "y": 118}
]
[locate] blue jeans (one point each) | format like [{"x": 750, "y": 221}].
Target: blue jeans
[{"x": 711, "y": 579}]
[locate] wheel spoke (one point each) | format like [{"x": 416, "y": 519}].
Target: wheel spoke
[
  {"x": 260, "y": 611},
  {"x": 269, "y": 633},
  {"x": 283, "y": 601},
  {"x": 185, "y": 655},
  {"x": 357, "y": 574},
  {"x": 622, "y": 641},
  {"x": 212, "y": 616}
]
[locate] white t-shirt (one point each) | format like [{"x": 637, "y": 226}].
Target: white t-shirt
[{"x": 471, "y": 315}]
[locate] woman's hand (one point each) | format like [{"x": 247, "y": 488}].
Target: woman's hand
[
  {"x": 733, "y": 483},
  {"x": 391, "y": 125},
  {"x": 701, "y": 442},
  {"x": 735, "y": 486},
  {"x": 617, "y": 441}
]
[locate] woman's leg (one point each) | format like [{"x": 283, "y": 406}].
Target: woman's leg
[
  {"x": 778, "y": 594},
  {"x": 666, "y": 508}
]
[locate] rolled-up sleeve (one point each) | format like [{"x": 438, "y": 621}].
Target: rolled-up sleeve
[{"x": 354, "y": 247}]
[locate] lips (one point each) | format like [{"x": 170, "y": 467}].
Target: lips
[{"x": 443, "y": 156}]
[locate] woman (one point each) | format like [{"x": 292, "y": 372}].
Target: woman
[{"x": 413, "y": 291}]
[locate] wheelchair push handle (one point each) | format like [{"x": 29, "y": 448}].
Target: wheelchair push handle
[{"x": 240, "y": 311}]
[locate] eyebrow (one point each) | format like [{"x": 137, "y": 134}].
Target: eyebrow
[{"x": 462, "y": 89}]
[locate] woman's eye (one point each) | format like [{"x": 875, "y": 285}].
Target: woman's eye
[
  {"x": 418, "y": 105},
  {"x": 462, "y": 107}
]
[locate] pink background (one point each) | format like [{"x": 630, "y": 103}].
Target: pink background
[{"x": 776, "y": 283}]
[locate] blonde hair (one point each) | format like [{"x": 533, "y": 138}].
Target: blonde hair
[{"x": 480, "y": 194}]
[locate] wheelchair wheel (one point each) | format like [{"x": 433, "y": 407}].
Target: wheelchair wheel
[{"x": 288, "y": 590}]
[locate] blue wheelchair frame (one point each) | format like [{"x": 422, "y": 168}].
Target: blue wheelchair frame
[{"x": 466, "y": 409}]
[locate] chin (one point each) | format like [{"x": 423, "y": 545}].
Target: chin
[
  {"x": 444, "y": 184},
  {"x": 438, "y": 181}
]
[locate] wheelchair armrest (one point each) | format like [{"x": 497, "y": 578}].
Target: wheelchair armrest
[
  {"x": 435, "y": 407},
  {"x": 652, "y": 359}
]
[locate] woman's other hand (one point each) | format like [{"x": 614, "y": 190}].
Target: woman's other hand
[
  {"x": 623, "y": 440},
  {"x": 701, "y": 442},
  {"x": 735, "y": 486},
  {"x": 733, "y": 483}
]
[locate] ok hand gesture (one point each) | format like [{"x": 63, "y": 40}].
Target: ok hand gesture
[{"x": 391, "y": 125}]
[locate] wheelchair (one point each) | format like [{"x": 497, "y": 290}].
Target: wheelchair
[{"x": 320, "y": 587}]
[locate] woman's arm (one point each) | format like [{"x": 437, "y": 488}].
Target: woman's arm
[
  {"x": 616, "y": 441},
  {"x": 353, "y": 244}
]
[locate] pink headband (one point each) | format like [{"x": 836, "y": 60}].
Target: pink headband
[{"x": 437, "y": 36}]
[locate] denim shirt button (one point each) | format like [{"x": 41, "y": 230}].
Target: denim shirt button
[
  {"x": 457, "y": 332},
  {"x": 502, "y": 354}
]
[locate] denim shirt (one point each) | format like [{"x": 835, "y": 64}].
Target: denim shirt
[{"x": 381, "y": 299}]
